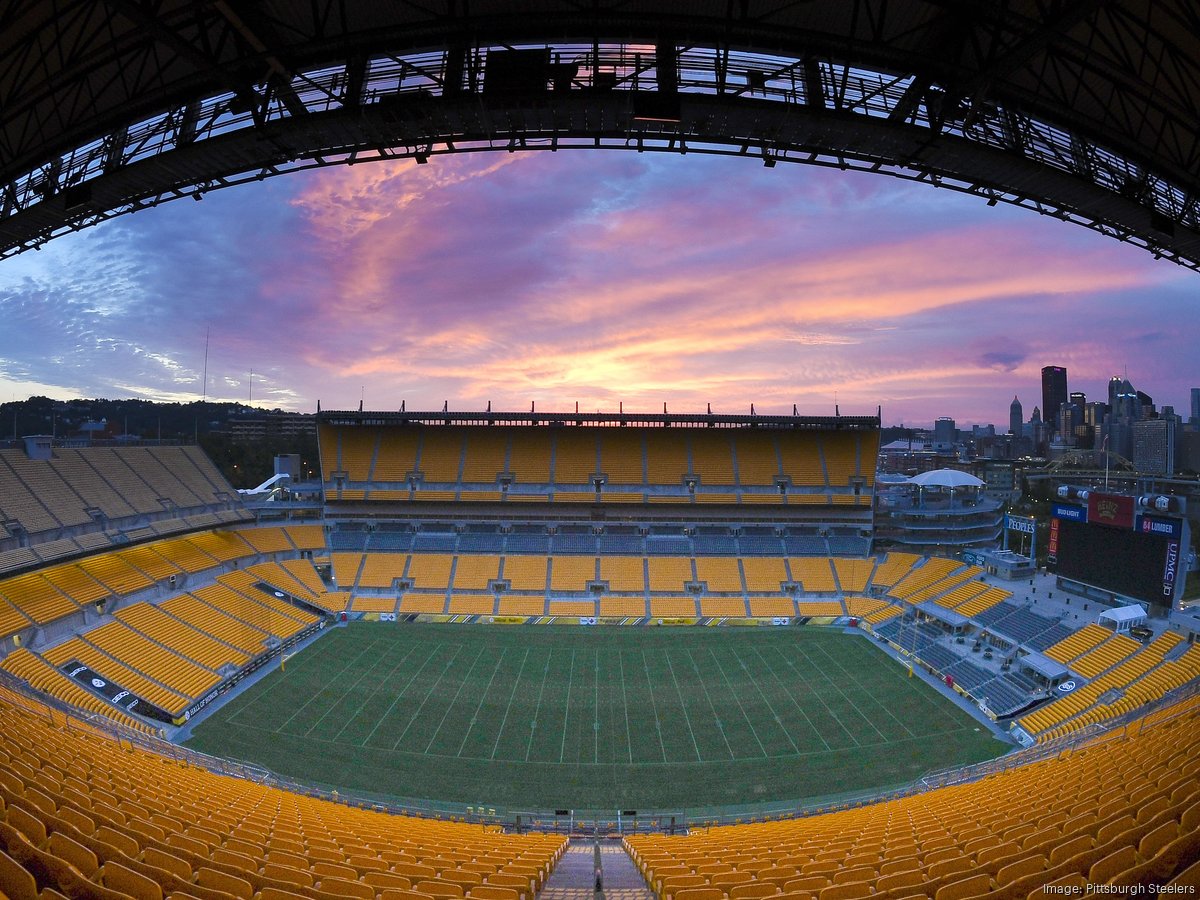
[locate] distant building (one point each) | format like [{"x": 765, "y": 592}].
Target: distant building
[
  {"x": 271, "y": 425},
  {"x": 945, "y": 434},
  {"x": 1054, "y": 393},
  {"x": 1195, "y": 419},
  {"x": 1154, "y": 446},
  {"x": 1016, "y": 419}
]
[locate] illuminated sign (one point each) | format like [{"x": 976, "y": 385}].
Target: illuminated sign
[
  {"x": 1110, "y": 509},
  {"x": 1018, "y": 523}
]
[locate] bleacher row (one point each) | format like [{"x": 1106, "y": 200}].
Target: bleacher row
[
  {"x": 47, "y": 594},
  {"x": 86, "y": 819},
  {"x": 1122, "y": 811},
  {"x": 82, "y": 500},
  {"x": 449, "y": 463},
  {"x": 573, "y": 539},
  {"x": 1126, "y": 675},
  {"x": 172, "y": 653}
]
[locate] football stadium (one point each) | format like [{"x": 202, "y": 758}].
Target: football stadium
[{"x": 504, "y": 655}]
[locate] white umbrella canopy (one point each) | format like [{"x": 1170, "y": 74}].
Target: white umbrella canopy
[{"x": 946, "y": 478}]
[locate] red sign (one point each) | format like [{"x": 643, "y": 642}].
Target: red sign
[
  {"x": 1053, "y": 537},
  {"x": 1110, "y": 509}
]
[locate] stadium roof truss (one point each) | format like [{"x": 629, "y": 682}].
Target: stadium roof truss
[{"x": 1085, "y": 110}]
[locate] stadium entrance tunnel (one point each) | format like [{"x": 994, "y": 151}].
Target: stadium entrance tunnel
[{"x": 956, "y": 97}]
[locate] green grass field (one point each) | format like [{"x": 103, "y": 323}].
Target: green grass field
[{"x": 594, "y": 718}]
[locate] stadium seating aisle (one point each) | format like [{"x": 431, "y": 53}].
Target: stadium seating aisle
[
  {"x": 1121, "y": 810},
  {"x": 86, "y": 819}
]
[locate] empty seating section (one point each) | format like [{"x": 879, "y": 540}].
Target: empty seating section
[
  {"x": 622, "y": 456},
  {"x": 441, "y": 454},
  {"x": 475, "y": 573},
  {"x": 356, "y": 449},
  {"x": 267, "y": 540},
  {"x": 801, "y": 458},
  {"x": 772, "y": 606},
  {"x": 180, "y": 637},
  {"x": 1078, "y": 643},
  {"x": 933, "y": 569},
  {"x": 840, "y": 450},
  {"x": 624, "y": 574},
  {"x": 894, "y": 567},
  {"x": 430, "y": 571},
  {"x": 125, "y": 645},
  {"x": 146, "y": 560},
  {"x": 526, "y": 573},
  {"x": 471, "y": 605},
  {"x": 484, "y": 455},
  {"x": 721, "y": 574},
  {"x": 853, "y": 574},
  {"x": 712, "y": 457},
  {"x": 119, "y": 487},
  {"x": 1139, "y": 679},
  {"x": 1114, "y": 813},
  {"x": 575, "y": 457},
  {"x": 815, "y": 574},
  {"x": 529, "y": 458},
  {"x": 37, "y": 598},
  {"x": 221, "y": 545},
  {"x": 396, "y": 456},
  {"x": 1105, "y": 656},
  {"x": 42, "y": 676},
  {"x": 260, "y": 613},
  {"x": 820, "y": 608},
  {"x": 944, "y": 584},
  {"x": 757, "y": 459},
  {"x": 982, "y": 602},
  {"x": 379, "y": 570},
  {"x": 89, "y": 819},
  {"x": 204, "y": 611},
  {"x": 961, "y": 594},
  {"x": 115, "y": 573},
  {"x": 345, "y": 569},
  {"x": 667, "y": 574},
  {"x": 666, "y": 459},
  {"x": 569, "y": 574},
  {"x": 77, "y": 649},
  {"x": 764, "y": 574},
  {"x": 306, "y": 537}
]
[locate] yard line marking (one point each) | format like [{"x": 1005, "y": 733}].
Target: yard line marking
[
  {"x": 653, "y": 706},
  {"x": 683, "y": 706},
  {"x": 837, "y": 687},
  {"x": 372, "y": 693},
  {"x": 787, "y": 734},
  {"x": 516, "y": 683},
  {"x": 387, "y": 712},
  {"x": 596, "y": 721},
  {"x": 712, "y": 706},
  {"x": 346, "y": 693},
  {"x": 567, "y": 706},
  {"x": 432, "y": 688},
  {"x": 625, "y": 707},
  {"x": 738, "y": 700},
  {"x": 454, "y": 700},
  {"x": 482, "y": 697},
  {"x": 541, "y": 691},
  {"x": 328, "y": 686},
  {"x": 817, "y": 693},
  {"x": 796, "y": 703},
  {"x": 859, "y": 685}
]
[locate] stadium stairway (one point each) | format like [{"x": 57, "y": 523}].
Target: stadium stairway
[{"x": 574, "y": 878}]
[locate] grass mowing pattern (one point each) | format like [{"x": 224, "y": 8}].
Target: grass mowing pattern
[{"x": 594, "y": 718}]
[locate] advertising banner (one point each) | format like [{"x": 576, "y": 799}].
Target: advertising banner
[
  {"x": 1148, "y": 524},
  {"x": 1069, "y": 512},
  {"x": 1110, "y": 509},
  {"x": 112, "y": 692},
  {"x": 1170, "y": 570}
]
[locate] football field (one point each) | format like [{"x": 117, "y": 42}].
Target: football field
[{"x": 543, "y": 717}]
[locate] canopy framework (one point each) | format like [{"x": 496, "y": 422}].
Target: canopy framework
[{"x": 1087, "y": 111}]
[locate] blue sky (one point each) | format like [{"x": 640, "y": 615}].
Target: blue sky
[{"x": 599, "y": 278}]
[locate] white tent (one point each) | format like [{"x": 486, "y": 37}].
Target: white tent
[
  {"x": 1123, "y": 618},
  {"x": 945, "y": 478}
]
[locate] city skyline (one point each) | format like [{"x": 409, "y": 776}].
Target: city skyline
[{"x": 597, "y": 278}]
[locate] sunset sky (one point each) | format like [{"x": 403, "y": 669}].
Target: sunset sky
[{"x": 598, "y": 278}]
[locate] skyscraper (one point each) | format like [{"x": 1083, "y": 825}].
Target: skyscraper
[
  {"x": 1016, "y": 419},
  {"x": 1054, "y": 393},
  {"x": 1195, "y": 419}
]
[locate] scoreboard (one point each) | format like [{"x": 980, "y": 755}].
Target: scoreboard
[{"x": 1109, "y": 546}]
